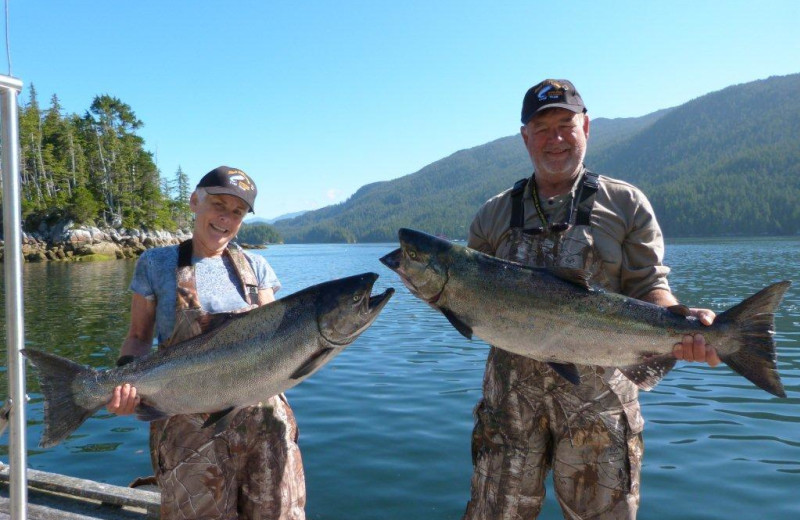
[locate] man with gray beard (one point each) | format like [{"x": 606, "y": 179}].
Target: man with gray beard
[{"x": 531, "y": 419}]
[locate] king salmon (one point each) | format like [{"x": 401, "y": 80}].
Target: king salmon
[
  {"x": 243, "y": 359},
  {"x": 555, "y": 316}
]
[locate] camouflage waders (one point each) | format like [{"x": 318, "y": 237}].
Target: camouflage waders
[
  {"x": 250, "y": 470},
  {"x": 531, "y": 420}
]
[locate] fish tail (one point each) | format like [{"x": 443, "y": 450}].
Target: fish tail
[
  {"x": 753, "y": 321},
  {"x": 57, "y": 378}
]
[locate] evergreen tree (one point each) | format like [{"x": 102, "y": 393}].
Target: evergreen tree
[{"x": 181, "y": 213}]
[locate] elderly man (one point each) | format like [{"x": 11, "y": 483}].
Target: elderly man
[
  {"x": 253, "y": 468},
  {"x": 530, "y": 419}
]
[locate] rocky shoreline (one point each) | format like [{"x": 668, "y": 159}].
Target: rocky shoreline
[{"x": 66, "y": 242}]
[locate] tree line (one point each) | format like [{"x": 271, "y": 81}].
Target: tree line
[
  {"x": 93, "y": 169},
  {"x": 258, "y": 233}
]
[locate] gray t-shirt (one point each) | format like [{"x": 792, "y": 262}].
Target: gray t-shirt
[{"x": 218, "y": 287}]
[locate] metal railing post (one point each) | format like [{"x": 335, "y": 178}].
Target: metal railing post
[{"x": 15, "y": 318}]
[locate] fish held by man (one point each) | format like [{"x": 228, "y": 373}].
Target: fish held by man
[
  {"x": 554, "y": 315},
  {"x": 242, "y": 360}
]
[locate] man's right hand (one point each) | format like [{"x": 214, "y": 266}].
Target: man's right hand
[{"x": 123, "y": 401}]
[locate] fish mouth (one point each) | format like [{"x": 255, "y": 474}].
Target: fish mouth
[
  {"x": 377, "y": 302},
  {"x": 355, "y": 317},
  {"x": 392, "y": 260},
  {"x": 373, "y": 304}
]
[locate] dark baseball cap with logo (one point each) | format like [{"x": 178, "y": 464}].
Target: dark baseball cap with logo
[
  {"x": 551, "y": 93},
  {"x": 225, "y": 180}
]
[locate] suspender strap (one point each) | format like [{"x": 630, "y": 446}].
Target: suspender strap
[
  {"x": 591, "y": 183},
  {"x": 517, "y": 209},
  {"x": 245, "y": 273}
]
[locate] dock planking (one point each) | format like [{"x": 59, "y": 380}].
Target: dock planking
[{"x": 52, "y": 496}]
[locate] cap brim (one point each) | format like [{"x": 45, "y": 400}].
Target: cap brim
[
  {"x": 226, "y": 191},
  {"x": 578, "y": 109}
]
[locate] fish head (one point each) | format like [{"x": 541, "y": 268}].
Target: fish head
[
  {"x": 346, "y": 307},
  {"x": 422, "y": 262}
]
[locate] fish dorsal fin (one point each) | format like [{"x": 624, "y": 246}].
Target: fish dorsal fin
[
  {"x": 579, "y": 277},
  {"x": 316, "y": 360},
  {"x": 649, "y": 372},
  {"x": 454, "y": 320},
  {"x": 212, "y": 322},
  {"x": 566, "y": 370},
  {"x": 195, "y": 322},
  {"x": 680, "y": 310}
]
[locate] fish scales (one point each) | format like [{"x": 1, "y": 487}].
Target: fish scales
[
  {"x": 553, "y": 315},
  {"x": 235, "y": 363},
  {"x": 550, "y": 329},
  {"x": 243, "y": 360}
]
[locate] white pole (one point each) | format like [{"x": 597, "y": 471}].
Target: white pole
[{"x": 15, "y": 318}]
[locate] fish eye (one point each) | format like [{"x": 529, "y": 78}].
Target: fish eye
[
  {"x": 356, "y": 297},
  {"x": 412, "y": 255}
]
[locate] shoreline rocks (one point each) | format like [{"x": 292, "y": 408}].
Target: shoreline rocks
[{"x": 66, "y": 242}]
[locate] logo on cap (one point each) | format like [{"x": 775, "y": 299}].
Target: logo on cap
[
  {"x": 240, "y": 179},
  {"x": 551, "y": 91}
]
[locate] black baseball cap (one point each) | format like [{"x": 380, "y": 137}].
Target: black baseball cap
[
  {"x": 225, "y": 180},
  {"x": 551, "y": 93}
]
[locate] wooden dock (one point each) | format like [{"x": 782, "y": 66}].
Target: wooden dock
[{"x": 59, "y": 497}]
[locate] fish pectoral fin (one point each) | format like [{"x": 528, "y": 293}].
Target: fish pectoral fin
[
  {"x": 680, "y": 310},
  {"x": 649, "y": 372},
  {"x": 220, "y": 419},
  {"x": 568, "y": 371},
  {"x": 314, "y": 362},
  {"x": 146, "y": 412},
  {"x": 460, "y": 326}
]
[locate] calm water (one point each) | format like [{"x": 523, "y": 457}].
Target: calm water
[{"x": 385, "y": 428}]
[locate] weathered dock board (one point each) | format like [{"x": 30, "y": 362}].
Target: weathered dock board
[{"x": 59, "y": 497}]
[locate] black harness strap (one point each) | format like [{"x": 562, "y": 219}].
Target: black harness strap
[
  {"x": 591, "y": 184},
  {"x": 185, "y": 253},
  {"x": 517, "y": 208}
]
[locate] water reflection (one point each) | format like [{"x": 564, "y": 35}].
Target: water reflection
[{"x": 386, "y": 426}]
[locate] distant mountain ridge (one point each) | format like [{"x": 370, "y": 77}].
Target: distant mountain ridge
[
  {"x": 727, "y": 163},
  {"x": 262, "y": 220}
]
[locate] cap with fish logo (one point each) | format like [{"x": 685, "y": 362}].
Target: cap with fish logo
[
  {"x": 225, "y": 180},
  {"x": 551, "y": 93}
]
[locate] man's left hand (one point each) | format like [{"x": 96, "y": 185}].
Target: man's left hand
[{"x": 693, "y": 347}]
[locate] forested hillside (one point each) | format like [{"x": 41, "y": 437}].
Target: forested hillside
[
  {"x": 258, "y": 233},
  {"x": 93, "y": 169},
  {"x": 727, "y": 163},
  {"x": 440, "y": 198}
]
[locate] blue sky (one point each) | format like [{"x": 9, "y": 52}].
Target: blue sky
[{"x": 314, "y": 99}]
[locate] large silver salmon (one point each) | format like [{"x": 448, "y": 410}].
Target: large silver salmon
[
  {"x": 244, "y": 359},
  {"x": 553, "y": 315}
]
